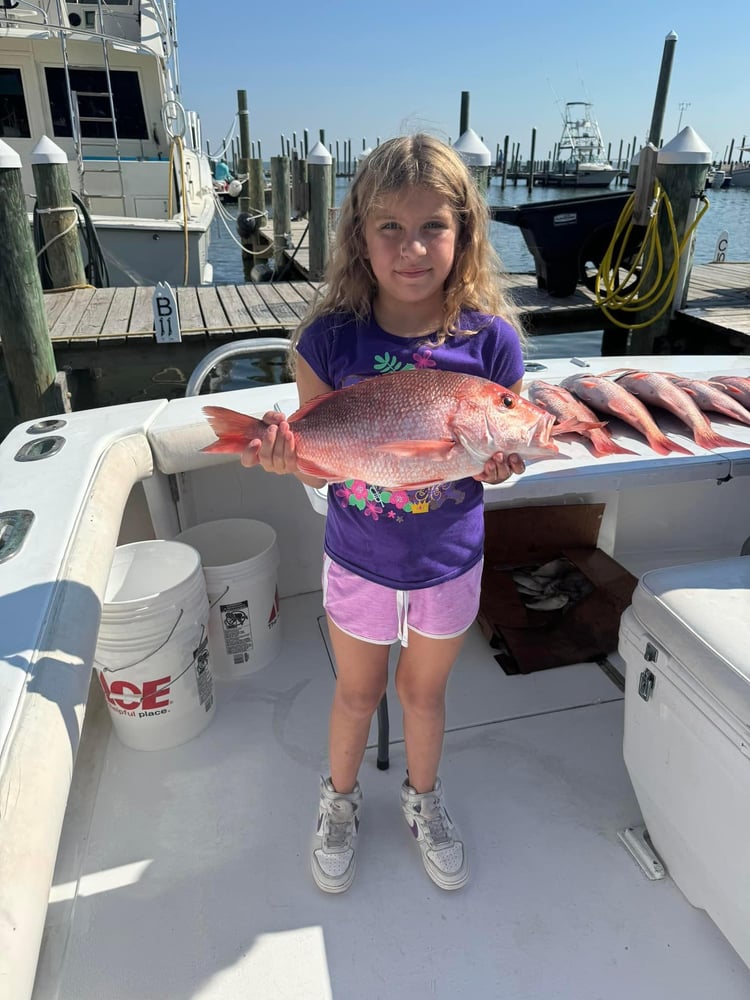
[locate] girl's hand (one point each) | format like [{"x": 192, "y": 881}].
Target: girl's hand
[
  {"x": 275, "y": 451},
  {"x": 500, "y": 467}
]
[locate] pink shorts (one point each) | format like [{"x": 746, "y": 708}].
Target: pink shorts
[{"x": 379, "y": 614}]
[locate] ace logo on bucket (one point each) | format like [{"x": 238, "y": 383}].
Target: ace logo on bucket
[{"x": 149, "y": 698}]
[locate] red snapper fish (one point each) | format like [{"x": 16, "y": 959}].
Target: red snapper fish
[
  {"x": 564, "y": 406},
  {"x": 736, "y": 386},
  {"x": 611, "y": 397},
  {"x": 657, "y": 389},
  {"x": 710, "y": 397},
  {"x": 403, "y": 430}
]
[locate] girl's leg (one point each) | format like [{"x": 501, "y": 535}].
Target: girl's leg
[
  {"x": 421, "y": 679},
  {"x": 361, "y": 679}
]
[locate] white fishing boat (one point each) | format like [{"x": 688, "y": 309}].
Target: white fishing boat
[
  {"x": 185, "y": 872},
  {"x": 582, "y": 160},
  {"x": 101, "y": 79}
]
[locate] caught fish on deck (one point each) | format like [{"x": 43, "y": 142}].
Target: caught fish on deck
[
  {"x": 736, "y": 386},
  {"x": 610, "y": 397},
  {"x": 403, "y": 430},
  {"x": 565, "y": 407},
  {"x": 710, "y": 398},
  {"x": 659, "y": 390}
]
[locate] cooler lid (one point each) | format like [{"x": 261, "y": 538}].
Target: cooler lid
[{"x": 700, "y": 613}]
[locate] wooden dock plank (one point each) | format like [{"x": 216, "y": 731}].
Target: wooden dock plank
[
  {"x": 257, "y": 307},
  {"x": 293, "y": 299},
  {"x": 117, "y": 322},
  {"x": 54, "y": 303},
  {"x": 279, "y": 306},
  {"x": 191, "y": 320},
  {"x": 214, "y": 318},
  {"x": 142, "y": 315},
  {"x": 235, "y": 309},
  {"x": 92, "y": 321},
  {"x": 71, "y": 315}
]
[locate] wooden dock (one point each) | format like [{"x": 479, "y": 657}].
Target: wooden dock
[
  {"x": 103, "y": 338},
  {"x": 719, "y": 297}
]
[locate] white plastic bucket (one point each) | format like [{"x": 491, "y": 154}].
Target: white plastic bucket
[
  {"x": 152, "y": 653},
  {"x": 240, "y": 562}
]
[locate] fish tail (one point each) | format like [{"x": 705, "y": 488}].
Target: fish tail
[
  {"x": 663, "y": 445},
  {"x": 232, "y": 429},
  {"x": 710, "y": 440},
  {"x": 604, "y": 444}
]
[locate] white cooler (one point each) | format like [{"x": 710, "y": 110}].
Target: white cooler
[{"x": 686, "y": 644}]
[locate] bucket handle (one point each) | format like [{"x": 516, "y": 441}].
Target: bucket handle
[
  {"x": 223, "y": 594},
  {"x": 128, "y": 666}
]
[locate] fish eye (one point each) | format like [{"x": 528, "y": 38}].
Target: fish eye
[{"x": 508, "y": 401}]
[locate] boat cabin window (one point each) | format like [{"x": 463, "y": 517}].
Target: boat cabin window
[
  {"x": 14, "y": 121},
  {"x": 94, "y": 107}
]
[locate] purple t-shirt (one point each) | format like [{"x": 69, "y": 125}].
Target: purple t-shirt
[{"x": 407, "y": 539}]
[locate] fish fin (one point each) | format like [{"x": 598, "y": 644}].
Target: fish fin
[
  {"x": 310, "y": 405},
  {"x": 438, "y": 450},
  {"x": 311, "y": 469},
  {"x": 233, "y": 429},
  {"x": 572, "y": 425},
  {"x": 710, "y": 440}
]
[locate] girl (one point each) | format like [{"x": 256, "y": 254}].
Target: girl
[{"x": 413, "y": 282}]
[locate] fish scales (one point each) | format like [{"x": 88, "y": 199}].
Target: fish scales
[{"x": 402, "y": 430}]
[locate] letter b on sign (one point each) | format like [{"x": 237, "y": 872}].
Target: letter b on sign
[{"x": 166, "y": 316}]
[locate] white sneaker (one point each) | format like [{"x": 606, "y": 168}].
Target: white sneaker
[
  {"x": 438, "y": 838},
  {"x": 334, "y": 844}
]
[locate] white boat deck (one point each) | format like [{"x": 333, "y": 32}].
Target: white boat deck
[
  {"x": 184, "y": 874},
  {"x": 189, "y": 875}
]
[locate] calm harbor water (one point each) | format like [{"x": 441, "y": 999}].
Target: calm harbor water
[{"x": 729, "y": 211}]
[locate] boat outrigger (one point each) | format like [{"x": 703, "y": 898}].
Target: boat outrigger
[{"x": 184, "y": 872}]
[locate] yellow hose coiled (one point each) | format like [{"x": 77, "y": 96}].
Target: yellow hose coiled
[{"x": 607, "y": 286}]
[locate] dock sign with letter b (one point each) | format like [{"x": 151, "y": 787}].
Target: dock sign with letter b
[{"x": 166, "y": 315}]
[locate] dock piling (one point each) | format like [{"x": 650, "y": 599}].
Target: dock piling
[
  {"x": 58, "y": 215},
  {"x": 319, "y": 168},
  {"x": 27, "y": 350}
]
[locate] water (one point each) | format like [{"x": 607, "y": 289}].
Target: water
[{"x": 729, "y": 211}]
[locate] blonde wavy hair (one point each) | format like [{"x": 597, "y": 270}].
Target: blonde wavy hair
[{"x": 476, "y": 281}]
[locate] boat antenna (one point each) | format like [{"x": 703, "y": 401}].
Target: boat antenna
[
  {"x": 585, "y": 92},
  {"x": 558, "y": 102}
]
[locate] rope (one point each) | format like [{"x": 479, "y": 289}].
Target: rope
[
  {"x": 607, "y": 286},
  {"x": 224, "y": 216},
  {"x": 60, "y": 235}
]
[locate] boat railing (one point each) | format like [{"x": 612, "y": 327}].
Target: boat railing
[{"x": 23, "y": 13}]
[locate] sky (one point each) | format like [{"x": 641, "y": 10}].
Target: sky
[{"x": 362, "y": 70}]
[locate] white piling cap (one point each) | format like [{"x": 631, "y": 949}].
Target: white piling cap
[
  {"x": 686, "y": 147},
  {"x": 9, "y": 158},
  {"x": 472, "y": 150},
  {"x": 47, "y": 151},
  {"x": 319, "y": 154}
]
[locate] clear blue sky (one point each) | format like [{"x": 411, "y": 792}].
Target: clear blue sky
[{"x": 362, "y": 70}]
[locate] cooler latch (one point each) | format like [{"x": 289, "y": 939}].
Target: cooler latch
[{"x": 646, "y": 684}]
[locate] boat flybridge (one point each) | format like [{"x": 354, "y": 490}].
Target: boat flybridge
[
  {"x": 101, "y": 79},
  {"x": 604, "y": 802},
  {"x": 581, "y": 148}
]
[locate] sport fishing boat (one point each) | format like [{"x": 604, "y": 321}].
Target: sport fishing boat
[
  {"x": 582, "y": 160},
  {"x": 603, "y": 800},
  {"x": 101, "y": 79}
]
